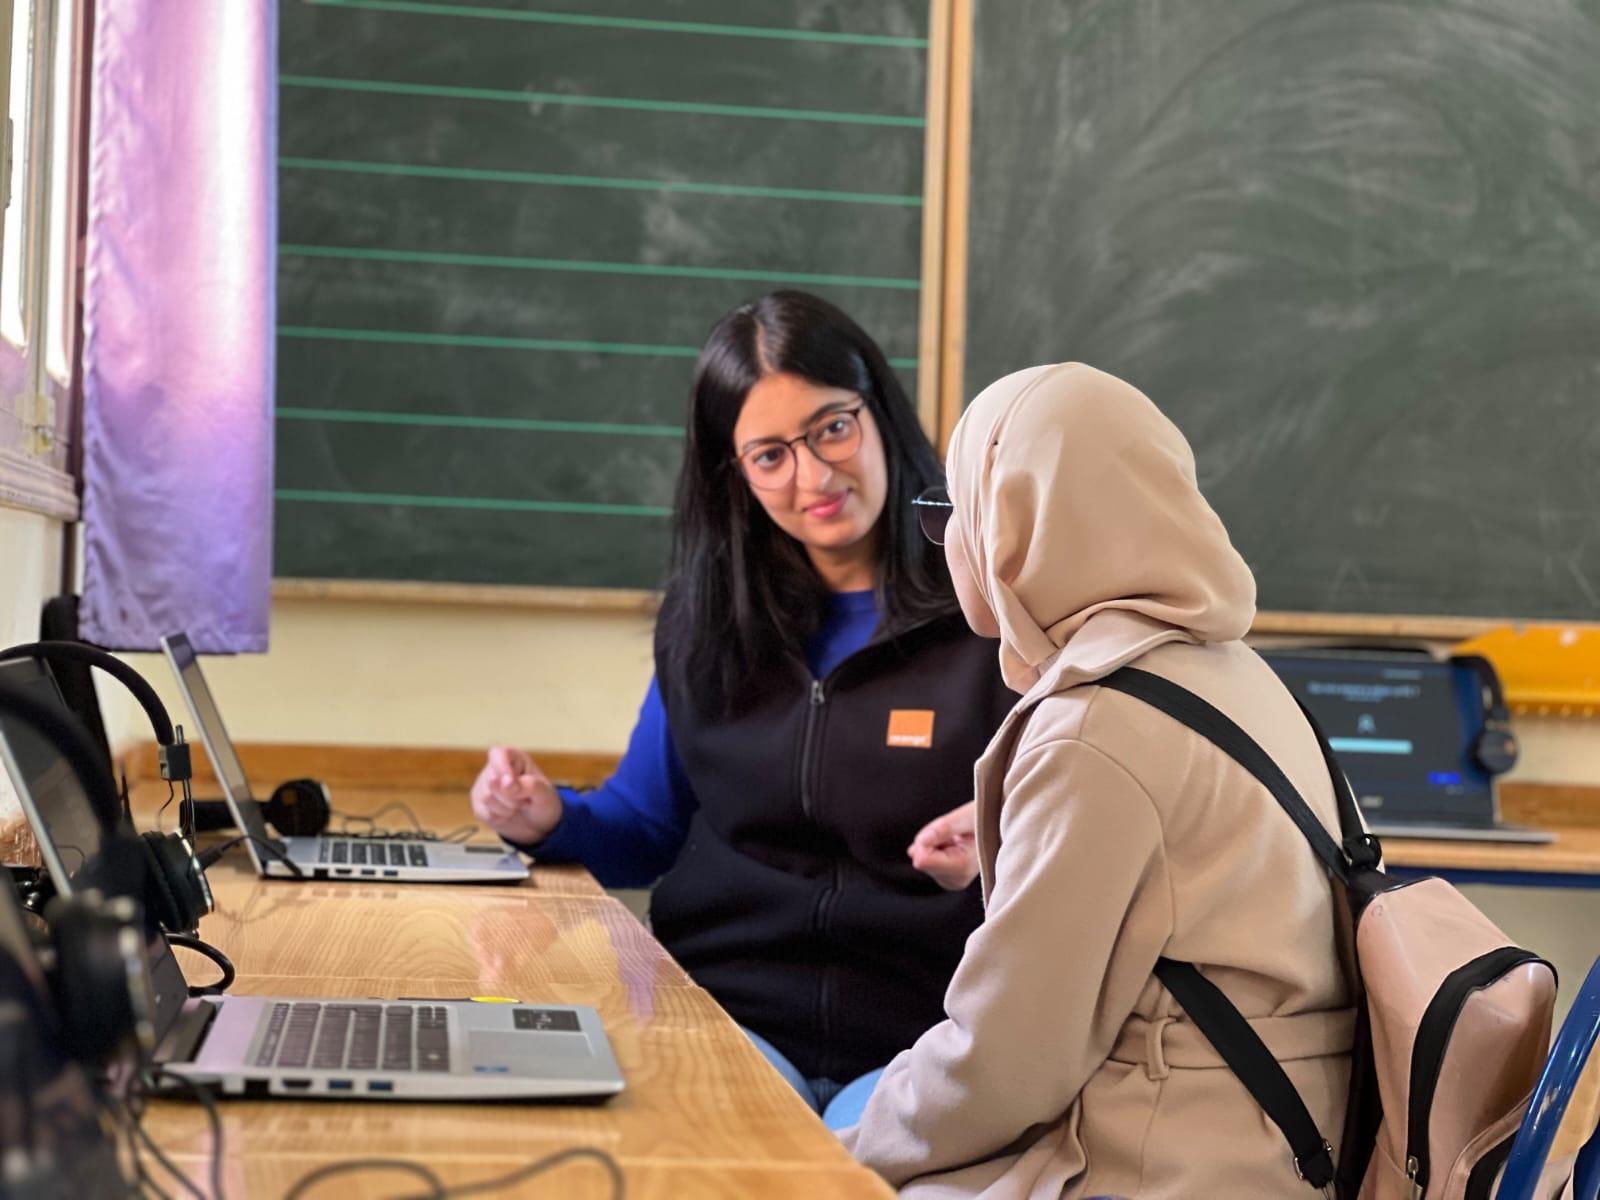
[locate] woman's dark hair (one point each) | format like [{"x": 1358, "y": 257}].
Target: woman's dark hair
[{"x": 742, "y": 595}]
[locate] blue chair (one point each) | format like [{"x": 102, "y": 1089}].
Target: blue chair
[
  {"x": 1568, "y": 1058},
  {"x": 1586, "y": 1178}
]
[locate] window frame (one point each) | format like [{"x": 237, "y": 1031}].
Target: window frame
[{"x": 38, "y": 412}]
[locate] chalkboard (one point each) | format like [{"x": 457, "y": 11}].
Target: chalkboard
[
  {"x": 1353, "y": 249},
  {"x": 505, "y": 230}
]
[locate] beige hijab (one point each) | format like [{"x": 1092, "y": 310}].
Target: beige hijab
[{"x": 1073, "y": 496}]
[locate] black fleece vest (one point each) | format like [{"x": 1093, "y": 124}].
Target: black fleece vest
[{"x": 793, "y": 901}]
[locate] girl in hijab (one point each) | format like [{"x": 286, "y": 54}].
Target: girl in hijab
[{"x": 1109, "y": 835}]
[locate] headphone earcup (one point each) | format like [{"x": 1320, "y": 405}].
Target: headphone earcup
[
  {"x": 299, "y": 808},
  {"x": 176, "y": 892},
  {"x": 1496, "y": 747},
  {"x": 100, "y": 977}
]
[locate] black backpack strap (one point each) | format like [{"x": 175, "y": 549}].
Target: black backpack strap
[
  {"x": 1263, "y": 1077},
  {"x": 1362, "y": 848},
  {"x": 1188, "y": 709}
]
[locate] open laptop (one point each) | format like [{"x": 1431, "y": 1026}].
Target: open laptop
[
  {"x": 1403, "y": 728},
  {"x": 326, "y": 856},
  {"x": 265, "y": 1046}
]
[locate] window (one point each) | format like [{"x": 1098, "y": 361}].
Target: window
[{"x": 41, "y": 60}]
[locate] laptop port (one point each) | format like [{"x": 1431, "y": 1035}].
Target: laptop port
[
  {"x": 391, "y": 874},
  {"x": 379, "y": 1085},
  {"x": 299, "y": 1085},
  {"x": 340, "y": 1085}
]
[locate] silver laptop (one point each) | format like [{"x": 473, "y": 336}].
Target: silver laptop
[
  {"x": 281, "y": 1046},
  {"x": 326, "y": 856},
  {"x": 1403, "y": 726}
]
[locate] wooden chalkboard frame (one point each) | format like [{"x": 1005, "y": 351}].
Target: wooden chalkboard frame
[
  {"x": 641, "y": 602},
  {"x": 944, "y": 173},
  {"x": 952, "y": 365},
  {"x": 942, "y": 323}
]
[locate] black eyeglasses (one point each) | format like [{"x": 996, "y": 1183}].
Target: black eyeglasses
[
  {"x": 933, "y": 513},
  {"x": 834, "y": 439}
]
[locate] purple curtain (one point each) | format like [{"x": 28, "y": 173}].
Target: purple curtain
[{"x": 178, "y": 323}]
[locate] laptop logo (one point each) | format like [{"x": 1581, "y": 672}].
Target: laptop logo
[{"x": 911, "y": 727}]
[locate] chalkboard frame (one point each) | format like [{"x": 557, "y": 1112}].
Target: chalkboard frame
[
  {"x": 942, "y": 325},
  {"x": 943, "y": 172},
  {"x": 952, "y": 369}
]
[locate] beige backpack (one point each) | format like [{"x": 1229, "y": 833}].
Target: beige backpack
[{"x": 1453, "y": 1022}]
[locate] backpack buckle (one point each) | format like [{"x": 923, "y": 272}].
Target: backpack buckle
[
  {"x": 1364, "y": 851},
  {"x": 1317, "y": 1169}
]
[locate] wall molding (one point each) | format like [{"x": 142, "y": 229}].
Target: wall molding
[{"x": 32, "y": 486}]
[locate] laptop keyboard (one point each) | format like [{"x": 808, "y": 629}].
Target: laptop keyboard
[
  {"x": 356, "y": 1037},
  {"x": 365, "y": 852}
]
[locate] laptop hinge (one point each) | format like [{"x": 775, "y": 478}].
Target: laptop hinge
[{"x": 188, "y": 1032}]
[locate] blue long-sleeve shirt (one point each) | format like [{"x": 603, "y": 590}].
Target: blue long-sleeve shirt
[{"x": 629, "y": 830}]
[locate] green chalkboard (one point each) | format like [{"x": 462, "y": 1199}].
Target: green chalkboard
[
  {"x": 1353, "y": 249},
  {"x": 505, "y": 229}
]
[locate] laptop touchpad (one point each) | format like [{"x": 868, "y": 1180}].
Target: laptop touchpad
[{"x": 517, "y": 1047}]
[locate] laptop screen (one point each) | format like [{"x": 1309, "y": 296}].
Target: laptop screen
[
  {"x": 78, "y": 850},
  {"x": 1402, "y": 729},
  {"x": 197, "y": 695},
  {"x": 70, "y": 833}
]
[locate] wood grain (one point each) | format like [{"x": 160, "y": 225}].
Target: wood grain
[
  {"x": 1550, "y": 805},
  {"x": 930, "y": 316},
  {"x": 703, "y": 1113},
  {"x": 255, "y": 1176},
  {"x": 387, "y": 591},
  {"x": 507, "y": 941},
  {"x": 1576, "y": 851},
  {"x": 957, "y": 193},
  {"x": 697, "y": 1091}
]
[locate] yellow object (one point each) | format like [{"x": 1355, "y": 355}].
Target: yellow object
[
  {"x": 494, "y": 999},
  {"x": 1547, "y": 670}
]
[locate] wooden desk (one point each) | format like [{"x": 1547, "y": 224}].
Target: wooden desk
[
  {"x": 703, "y": 1113},
  {"x": 1571, "y": 861}
]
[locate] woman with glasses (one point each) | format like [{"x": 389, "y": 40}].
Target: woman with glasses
[{"x": 816, "y": 711}]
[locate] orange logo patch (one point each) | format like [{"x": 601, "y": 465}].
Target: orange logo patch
[{"x": 911, "y": 727}]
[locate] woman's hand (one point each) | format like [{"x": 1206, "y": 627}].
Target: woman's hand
[
  {"x": 513, "y": 797},
  {"x": 945, "y": 848}
]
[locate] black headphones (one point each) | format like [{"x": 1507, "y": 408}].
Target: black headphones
[
  {"x": 1495, "y": 747},
  {"x": 298, "y": 808},
  {"x": 95, "y": 963},
  {"x": 176, "y": 892},
  {"x": 94, "y": 955}
]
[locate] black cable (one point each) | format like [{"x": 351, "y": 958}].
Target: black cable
[
  {"x": 549, "y": 1163},
  {"x": 206, "y": 950},
  {"x": 143, "y": 1136},
  {"x": 440, "y": 1192},
  {"x": 213, "y": 1117},
  {"x": 209, "y": 856},
  {"x": 418, "y": 831},
  {"x": 311, "y": 1178}
]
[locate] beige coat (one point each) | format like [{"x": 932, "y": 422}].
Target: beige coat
[{"x": 1109, "y": 835}]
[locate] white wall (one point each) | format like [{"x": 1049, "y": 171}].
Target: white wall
[{"x": 421, "y": 675}]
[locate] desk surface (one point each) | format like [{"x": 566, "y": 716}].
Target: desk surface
[
  {"x": 1576, "y": 851},
  {"x": 703, "y": 1113},
  {"x": 1572, "y": 813}
]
